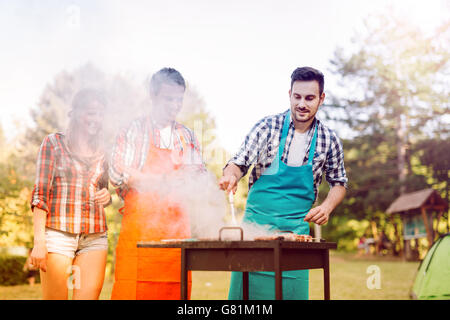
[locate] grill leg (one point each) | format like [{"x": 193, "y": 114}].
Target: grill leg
[
  {"x": 278, "y": 275},
  {"x": 183, "y": 286},
  {"x": 326, "y": 274},
  {"x": 245, "y": 285}
]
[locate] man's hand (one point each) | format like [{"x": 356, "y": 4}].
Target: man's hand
[
  {"x": 231, "y": 176},
  {"x": 319, "y": 215},
  {"x": 228, "y": 183}
]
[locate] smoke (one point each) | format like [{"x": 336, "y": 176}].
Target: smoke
[
  {"x": 205, "y": 203},
  {"x": 196, "y": 193},
  {"x": 206, "y": 206},
  {"x": 253, "y": 230},
  {"x": 127, "y": 99}
]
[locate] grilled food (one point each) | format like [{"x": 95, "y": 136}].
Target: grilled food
[{"x": 287, "y": 237}]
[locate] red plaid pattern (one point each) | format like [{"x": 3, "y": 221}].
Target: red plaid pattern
[{"x": 65, "y": 188}]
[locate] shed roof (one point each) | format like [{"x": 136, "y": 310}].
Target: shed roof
[{"x": 415, "y": 200}]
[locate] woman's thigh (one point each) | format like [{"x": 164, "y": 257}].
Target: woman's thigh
[
  {"x": 89, "y": 268},
  {"x": 54, "y": 280}
]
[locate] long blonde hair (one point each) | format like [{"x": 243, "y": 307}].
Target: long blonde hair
[{"x": 80, "y": 101}]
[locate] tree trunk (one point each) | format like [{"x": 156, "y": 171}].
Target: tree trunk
[
  {"x": 401, "y": 152},
  {"x": 397, "y": 250}
]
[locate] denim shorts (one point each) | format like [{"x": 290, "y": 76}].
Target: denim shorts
[{"x": 72, "y": 244}]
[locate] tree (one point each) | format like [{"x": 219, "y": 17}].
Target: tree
[
  {"x": 395, "y": 96},
  {"x": 434, "y": 154},
  {"x": 15, "y": 218}
]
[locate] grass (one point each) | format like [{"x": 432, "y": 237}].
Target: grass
[{"x": 348, "y": 278}]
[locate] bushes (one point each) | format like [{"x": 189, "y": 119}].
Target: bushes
[
  {"x": 344, "y": 231},
  {"x": 11, "y": 270}
]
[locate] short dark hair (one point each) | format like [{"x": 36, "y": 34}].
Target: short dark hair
[
  {"x": 308, "y": 74},
  {"x": 168, "y": 76}
]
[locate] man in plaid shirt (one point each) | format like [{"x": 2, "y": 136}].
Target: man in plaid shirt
[
  {"x": 290, "y": 151},
  {"x": 261, "y": 144}
]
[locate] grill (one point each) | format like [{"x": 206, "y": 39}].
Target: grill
[{"x": 247, "y": 256}]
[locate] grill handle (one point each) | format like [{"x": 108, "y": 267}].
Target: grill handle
[{"x": 231, "y": 228}]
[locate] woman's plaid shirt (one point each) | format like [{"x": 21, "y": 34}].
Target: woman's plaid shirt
[
  {"x": 261, "y": 146},
  {"x": 65, "y": 188},
  {"x": 132, "y": 145}
]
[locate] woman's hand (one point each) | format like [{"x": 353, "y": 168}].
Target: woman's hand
[
  {"x": 38, "y": 257},
  {"x": 102, "y": 196}
]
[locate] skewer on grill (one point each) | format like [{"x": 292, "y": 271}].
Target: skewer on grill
[{"x": 233, "y": 214}]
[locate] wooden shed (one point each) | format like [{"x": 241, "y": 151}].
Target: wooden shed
[{"x": 418, "y": 211}]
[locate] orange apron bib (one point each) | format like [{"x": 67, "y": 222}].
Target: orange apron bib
[{"x": 150, "y": 273}]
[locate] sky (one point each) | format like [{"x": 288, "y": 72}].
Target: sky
[{"x": 238, "y": 54}]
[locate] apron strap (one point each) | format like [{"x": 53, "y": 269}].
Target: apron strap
[
  {"x": 312, "y": 148},
  {"x": 284, "y": 132}
]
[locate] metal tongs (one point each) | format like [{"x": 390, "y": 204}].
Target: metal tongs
[{"x": 233, "y": 213}]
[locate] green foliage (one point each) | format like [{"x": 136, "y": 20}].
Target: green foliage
[
  {"x": 434, "y": 154},
  {"x": 15, "y": 216},
  {"x": 344, "y": 231},
  {"x": 16, "y": 223},
  {"x": 11, "y": 270}
]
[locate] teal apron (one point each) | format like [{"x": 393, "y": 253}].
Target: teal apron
[{"x": 279, "y": 200}]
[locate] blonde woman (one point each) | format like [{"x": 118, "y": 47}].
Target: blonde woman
[{"x": 70, "y": 192}]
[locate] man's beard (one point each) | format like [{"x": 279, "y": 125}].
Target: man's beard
[{"x": 302, "y": 119}]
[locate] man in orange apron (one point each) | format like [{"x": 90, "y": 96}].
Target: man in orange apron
[{"x": 147, "y": 157}]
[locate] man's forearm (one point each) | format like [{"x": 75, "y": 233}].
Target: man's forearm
[
  {"x": 334, "y": 198},
  {"x": 232, "y": 169}
]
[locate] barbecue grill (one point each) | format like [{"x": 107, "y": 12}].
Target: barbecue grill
[{"x": 246, "y": 256}]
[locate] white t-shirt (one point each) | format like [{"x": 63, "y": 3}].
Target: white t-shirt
[
  {"x": 297, "y": 150},
  {"x": 166, "y": 136}
]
